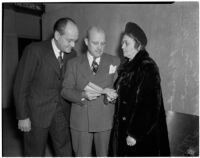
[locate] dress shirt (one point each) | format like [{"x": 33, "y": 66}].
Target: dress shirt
[
  {"x": 55, "y": 49},
  {"x": 91, "y": 58}
]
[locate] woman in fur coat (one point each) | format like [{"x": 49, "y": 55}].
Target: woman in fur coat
[{"x": 140, "y": 123}]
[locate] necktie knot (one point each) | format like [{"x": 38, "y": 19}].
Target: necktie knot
[
  {"x": 95, "y": 66},
  {"x": 60, "y": 59}
]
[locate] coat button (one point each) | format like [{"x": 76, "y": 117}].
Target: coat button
[
  {"x": 124, "y": 102},
  {"x": 123, "y": 118}
]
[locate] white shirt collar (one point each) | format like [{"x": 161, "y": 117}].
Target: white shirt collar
[
  {"x": 55, "y": 49},
  {"x": 90, "y": 59}
]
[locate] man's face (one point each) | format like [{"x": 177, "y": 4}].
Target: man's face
[
  {"x": 96, "y": 43},
  {"x": 66, "y": 41}
]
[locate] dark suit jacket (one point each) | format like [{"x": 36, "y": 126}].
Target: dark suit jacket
[
  {"x": 92, "y": 116},
  {"x": 38, "y": 84}
]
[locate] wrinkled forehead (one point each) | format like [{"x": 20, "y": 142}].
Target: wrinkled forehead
[{"x": 95, "y": 31}]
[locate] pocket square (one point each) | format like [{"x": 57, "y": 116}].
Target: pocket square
[{"x": 112, "y": 69}]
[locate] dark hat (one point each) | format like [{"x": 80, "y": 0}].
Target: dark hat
[{"x": 136, "y": 31}]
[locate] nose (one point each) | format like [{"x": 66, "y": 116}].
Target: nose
[
  {"x": 100, "y": 46},
  {"x": 123, "y": 46},
  {"x": 72, "y": 43}
]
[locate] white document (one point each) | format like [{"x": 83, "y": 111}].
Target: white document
[{"x": 93, "y": 88}]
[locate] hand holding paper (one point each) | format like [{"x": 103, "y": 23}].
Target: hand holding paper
[
  {"x": 92, "y": 91},
  {"x": 91, "y": 95},
  {"x": 93, "y": 88}
]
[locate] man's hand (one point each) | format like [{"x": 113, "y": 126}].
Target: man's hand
[
  {"x": 24, "y": 125},
  {"x": 111, "y": 93},
  {"x": 130, "y": 141},
  {"x": 90, "y": 95}
]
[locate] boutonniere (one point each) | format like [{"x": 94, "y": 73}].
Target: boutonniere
[{"x": 112, "y": 69}]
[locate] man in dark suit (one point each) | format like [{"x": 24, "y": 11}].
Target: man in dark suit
[
  {"x": 91, "y": 118},
  {"x": 40, "y": 108}
]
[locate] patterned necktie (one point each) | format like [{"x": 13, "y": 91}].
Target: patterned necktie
[
  {"x": 94, "y": 66},
  {"x": 60, "y": 59}
]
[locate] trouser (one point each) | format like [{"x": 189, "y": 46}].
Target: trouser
[
  {"x": 35, "y": 141},
  {"x": 82, "y": 142}
]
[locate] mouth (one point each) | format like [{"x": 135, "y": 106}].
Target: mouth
[
  {"x": 99, "y": 51},
  {"x": 125, "y": 53}
]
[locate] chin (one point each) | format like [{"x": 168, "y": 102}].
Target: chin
[
  {"x": 125, "y": 55},
  {"x": 68, "y": 50},
  {"x": 100, "y": 54}
]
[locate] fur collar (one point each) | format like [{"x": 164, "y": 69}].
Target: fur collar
[{"x": 129, "y": 66}]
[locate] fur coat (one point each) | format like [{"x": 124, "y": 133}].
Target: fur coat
[{"x": 139, "y": 109}]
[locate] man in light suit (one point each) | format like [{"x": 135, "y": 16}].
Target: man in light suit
[
  {"x": 40, "y": 108},
  {"x": 91, "y": 119}
]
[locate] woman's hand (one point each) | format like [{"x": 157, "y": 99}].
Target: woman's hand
[
  {"x": 130, "y": 141},
  {"x": 111, "y": 93}
]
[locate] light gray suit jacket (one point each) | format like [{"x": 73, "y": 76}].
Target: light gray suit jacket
[{"x": 91, "y": 116}]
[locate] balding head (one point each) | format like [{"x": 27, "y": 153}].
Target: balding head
[
  {"x": 61, "y": 24},
  {"x": 95, "y": 41},
  {"x": 94, "y": 29}
]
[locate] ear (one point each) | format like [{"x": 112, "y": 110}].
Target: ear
[
  {"x": 86, "y": 41},
  {"x": 139, "y": 48},
  {"x": 56, "y": 35}
]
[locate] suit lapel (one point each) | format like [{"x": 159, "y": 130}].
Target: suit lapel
[
  {"x": 51, "y": 58},
  {"x": 67, "y": 56},
  {"x": 85, "y": 69}
]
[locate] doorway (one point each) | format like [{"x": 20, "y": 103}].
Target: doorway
[{"x": 22, "y": 43}]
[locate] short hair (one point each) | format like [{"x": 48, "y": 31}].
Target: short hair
[{"x": 61, "y": 24}]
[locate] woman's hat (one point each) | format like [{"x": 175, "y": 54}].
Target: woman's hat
[{"x": 136, "y": 31}]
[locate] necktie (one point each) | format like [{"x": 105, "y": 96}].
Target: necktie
[
  {"x": 94, "y": 66},
  {"x": 60, "y": 59}
]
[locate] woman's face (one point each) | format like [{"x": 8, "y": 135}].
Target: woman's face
[{"x": 129, "y": 47}]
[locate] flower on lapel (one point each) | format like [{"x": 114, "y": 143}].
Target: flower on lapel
[{"x": 112, "y": 69}]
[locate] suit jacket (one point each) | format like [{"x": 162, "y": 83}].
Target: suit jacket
[
  {"x": 92, "y": 116},
  {"x": 38, "y": 84}
]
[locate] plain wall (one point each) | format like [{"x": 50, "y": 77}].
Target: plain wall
[
  {"x": 172, "y": 31},
  {"x": 14, "y": 25}
]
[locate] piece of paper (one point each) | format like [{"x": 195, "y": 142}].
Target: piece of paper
[{"x": 93, "y": 88}]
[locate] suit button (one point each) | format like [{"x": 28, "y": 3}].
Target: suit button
[{"x": 124, "y": 118}]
